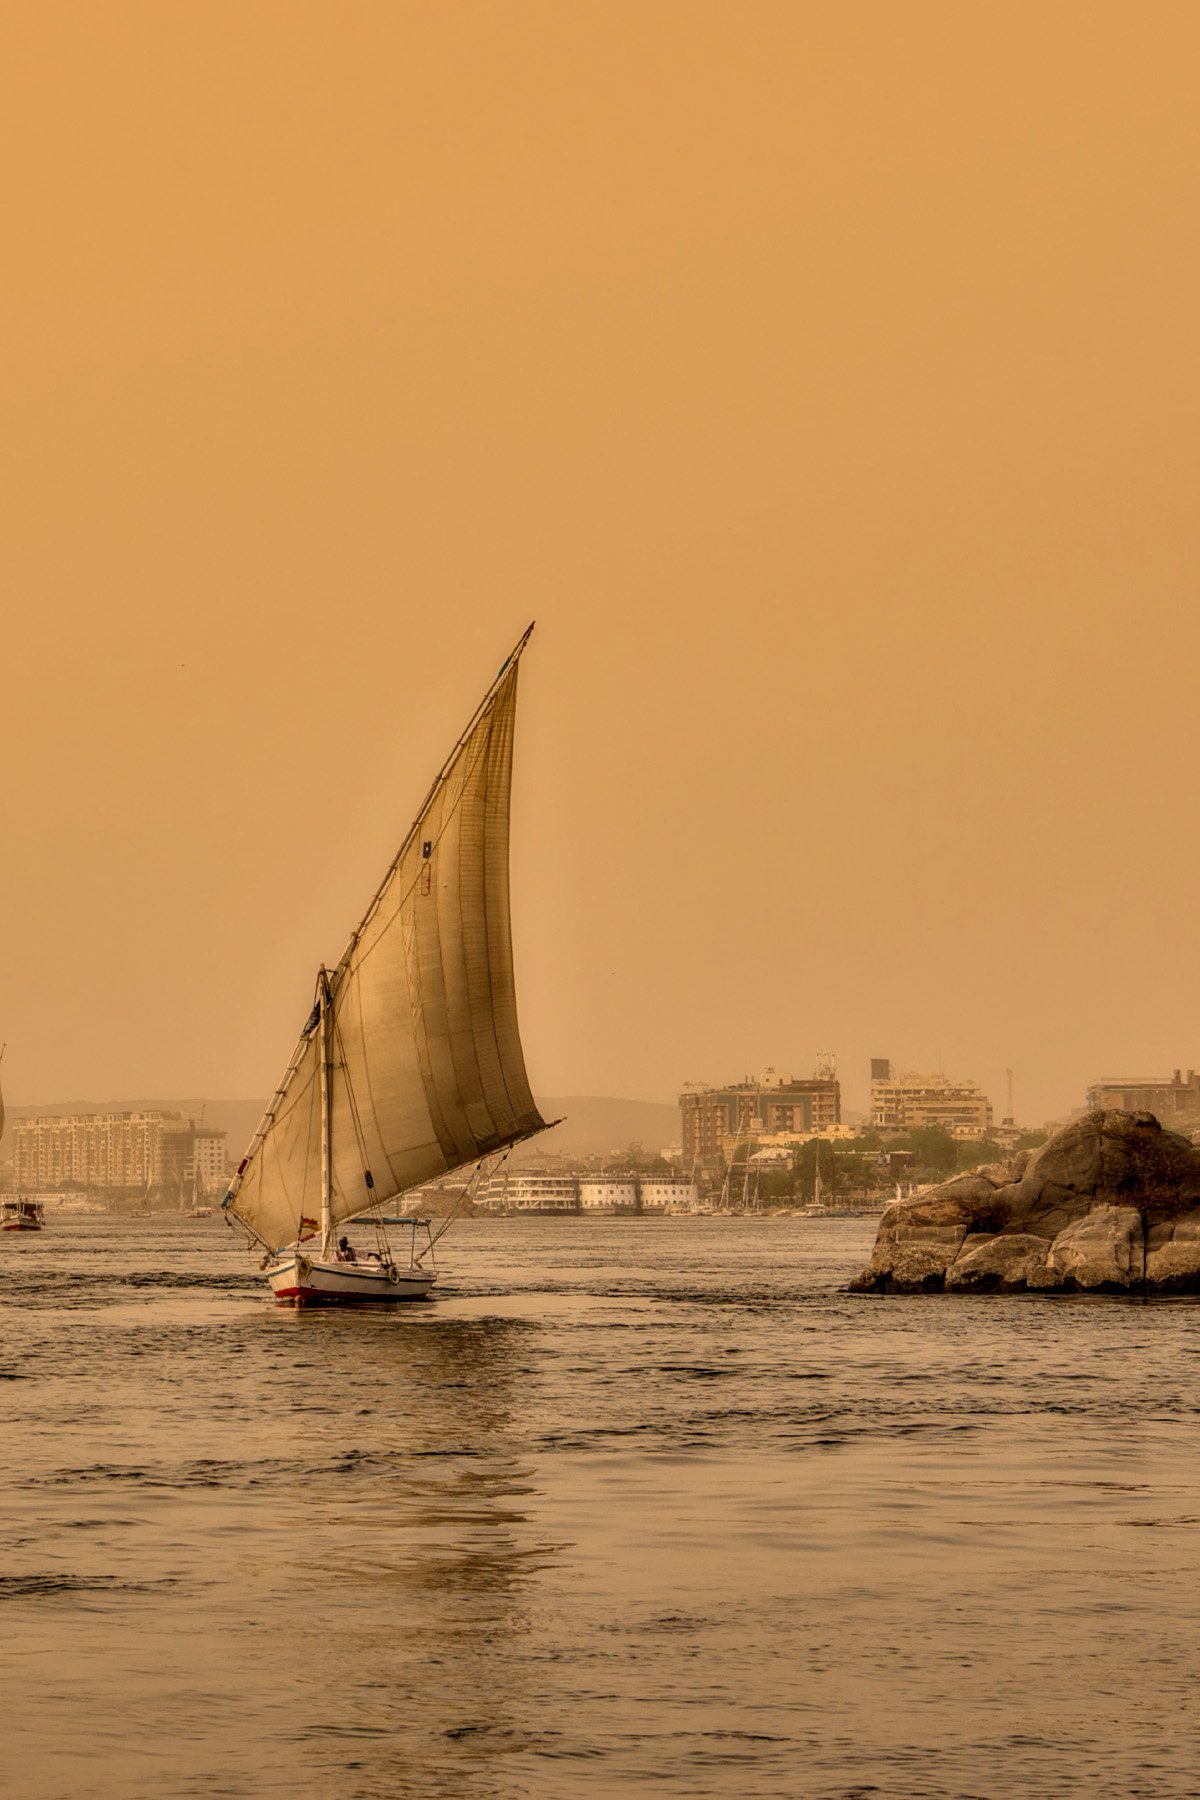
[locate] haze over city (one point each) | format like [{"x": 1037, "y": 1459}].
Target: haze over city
[{"x": 827, "y": 396}]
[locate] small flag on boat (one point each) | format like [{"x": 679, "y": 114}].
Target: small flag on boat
[{"x": 308, "y": 1228}]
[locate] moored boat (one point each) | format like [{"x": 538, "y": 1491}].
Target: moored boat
[
  {"x": 17, "y": 1213},
  {"x": 20, "y": 1214},
  {"x": 410, "y": 1063}
]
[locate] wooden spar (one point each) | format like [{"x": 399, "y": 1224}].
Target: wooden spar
[
  {"x": 326, "y": 1150},
  {"x": 427, "y": 802}
]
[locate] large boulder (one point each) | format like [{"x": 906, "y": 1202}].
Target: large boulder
[
  {"x": 1105, "y": 1250},
  {"x": 1110, "y": 1204},
  {"x": 996, "y": 1262},
  {"x": 1173, "y": 1256}
]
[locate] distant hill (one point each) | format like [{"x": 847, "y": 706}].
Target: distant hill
[{"x": 591, "y": 1125}]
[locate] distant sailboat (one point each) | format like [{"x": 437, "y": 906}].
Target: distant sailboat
[
  {"x": 191, "y": 1206},
  {"x": 410, "y": 1064}
]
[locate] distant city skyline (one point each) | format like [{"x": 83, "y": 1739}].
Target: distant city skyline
[{"x": 1172, "y": 1092}]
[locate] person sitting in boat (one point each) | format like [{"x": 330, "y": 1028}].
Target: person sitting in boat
[{"x": 345, "y": 1252}]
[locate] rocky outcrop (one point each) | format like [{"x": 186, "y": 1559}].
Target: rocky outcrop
[
  {"x": 1173, "y": 1256},
  {"x": 1110, "y": 1205},
  {"x": 1001, "y": 1260}
]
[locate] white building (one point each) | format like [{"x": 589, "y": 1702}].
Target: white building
[
  {"x": 667, "y": 1193},
  {"x": 529, "y": 1190},
  {"x": 608, "y": 1194},
  {"x": 601, "y": 1194}
]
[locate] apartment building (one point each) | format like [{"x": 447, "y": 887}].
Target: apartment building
[
  {"x": 763, "y": 1105},
  {"x": 117, "y": 1150},
  {"x": 909, "y": 1102}
]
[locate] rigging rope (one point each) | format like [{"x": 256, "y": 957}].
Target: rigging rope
[
  {"x": 381, "y": 1237},
  {"x": 493, "y": 1168}
]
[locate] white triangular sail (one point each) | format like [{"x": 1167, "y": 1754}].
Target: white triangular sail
[{"x": 425, "y": 1067}]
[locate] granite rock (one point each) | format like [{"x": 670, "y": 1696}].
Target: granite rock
[
  {"x": 1110, "y": 1204},
  {"x": 1104, "y": 1250},
  {"x": 996, "y": 1262}
]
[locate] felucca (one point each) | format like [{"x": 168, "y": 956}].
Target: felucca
[{"x": 410, "y": 1064}]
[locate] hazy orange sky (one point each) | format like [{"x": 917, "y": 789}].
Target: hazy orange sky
[{"x": 823, "y": 378}]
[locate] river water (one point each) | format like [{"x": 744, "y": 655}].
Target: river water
[{"x": 635, "y": 1508}]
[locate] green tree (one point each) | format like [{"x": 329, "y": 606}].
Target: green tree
[
  {"x": 977, "y": 1151},
  {"x": 935, "y": 1150},
  {"x": 776, "y": 1184}
]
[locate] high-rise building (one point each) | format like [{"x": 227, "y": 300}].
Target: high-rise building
[
  {"x": 773, "y": 1102},
  {"x": 209, "y": 1160},
  {"x": 908, "y": 1102},
  {"x": 121, "y": 1150}
]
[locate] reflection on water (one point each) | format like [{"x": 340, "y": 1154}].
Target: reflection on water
[{"x": 636, "y": 1507}]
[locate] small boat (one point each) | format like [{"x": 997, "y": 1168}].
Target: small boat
[
  {"x": 21, "y": 1215},
  {"x": 16, "y": 1212},
  {"x": 410, "y": 1064}
]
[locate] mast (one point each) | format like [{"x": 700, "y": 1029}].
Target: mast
[{"x": 326, "y": 1158}]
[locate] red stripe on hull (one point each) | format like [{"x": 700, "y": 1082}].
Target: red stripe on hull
[{"x": 318, "y": 1297}]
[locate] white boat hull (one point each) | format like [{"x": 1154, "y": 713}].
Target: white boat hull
[{"x": 300, "y": 1280}]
